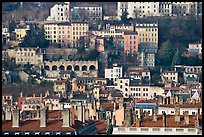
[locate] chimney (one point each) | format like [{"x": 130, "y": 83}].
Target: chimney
[
  {"x": 180, "y": 99},
  {"x": 8, "y": 113},
  {"x": 171, "y": 100},
  {"x": 164, "y": 119},
  {"x": 186, "y": 118},
  {"x": 154, "y": 96},
  {"x": 87, "y": 114},
  {"x": 114, "y": 106},
  {"x": 120, "y": 105},
  {"x": 138, "y": 122},
  {"x": 177, "y": 99},
  {"x": 38, "y": 114},
  {"x": 196, "y": 121},
  {"x": 167, "y": 100},
  {"x": 16, "y": 118},
  {"x": 66, "y": 117},
  {"x": 160, "y": 100},
  {"x": 114, "y": 121},
  {"x": 154, "y": 114},
  {"x": 177, "y": 113},
  {"x": 43, "y": 117},
  {"x": 34, "y": 95}
]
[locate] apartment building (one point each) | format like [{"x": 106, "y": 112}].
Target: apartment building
[
  {"x": 24, "y": 55},
  {"x": 169, "y": 76},
  {"x": 147, "y": 36},
  {"x": 21, "y": 32},
  {"x": 122, "y": 84},
  {"x": 146, "y": 59},
  {"x": 130, "y": 42},
  {"x": 165, "y": 8},
  {"x": 87, "y": 12},
  {"x": 113, "y": 73},
  {"x": 139, "y": 9},
  {"x": 60, "y": 86},
  {"x": 65, "y": 33},
  {"x": 183, "y": 8},
  {"x": 59, "y": 12},
  {"x": 195, "y": 48}
]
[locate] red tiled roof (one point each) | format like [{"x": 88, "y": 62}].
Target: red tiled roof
[
  {"x": 54, "y": 113},
  {"x": 148, "y": 122},
  {"x": 172, "y": 88},
  {"x": 34, "y": 125},
  {"x": 182, "y": 105},
  {"x": 101, "y": 127},
  {"x": 107, "y": 106}
]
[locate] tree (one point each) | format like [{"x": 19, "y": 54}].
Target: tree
[
  {"x": 176, "y": 59},
  {"x": 46, "y": 83},
  {"x": 124, "y": 17},
  {"x": 136, "y": 13},
  {"x": 35, "y": 38},
  {"x": 166, "y": 53}
]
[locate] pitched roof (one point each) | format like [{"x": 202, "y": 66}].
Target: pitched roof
[
  {"x": 148, "y": 122},
  {"x": 34, "y": 125}
]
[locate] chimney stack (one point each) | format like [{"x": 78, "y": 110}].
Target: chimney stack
[
  {"x": 176, "y": 99},
  {"x": 180, "y": 99},
  {"x": 16, "y": 118},
  {"x": 177, "y": 113},
  {"x": 66, "y": 117},
  {"x": 171, "y": 100},
  {"x": 186, "y": 118},
  {"x": 196, "y": 121},
  {"x": 8, "y": 113},
  {"x": 154, "y": 114},
  {"x": 160, "y": 100},
  {"x": 164, "y": 119},
  {"x": 114, "y": 106},
  {"x": 138, "y": 122},
  {"x": 43, "y": 117}
]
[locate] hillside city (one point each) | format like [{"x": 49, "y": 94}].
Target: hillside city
[{"x": 101, "y": 68}]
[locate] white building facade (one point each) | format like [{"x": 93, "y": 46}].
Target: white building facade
[{"x": 59, "y": 12}]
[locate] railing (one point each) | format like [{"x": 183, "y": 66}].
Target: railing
[{"x": 154, "y": 131}]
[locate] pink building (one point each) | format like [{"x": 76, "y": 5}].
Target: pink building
[
  {"x": 99, "y": 43},
  {"x": 64, "y": 34},
  {"x": 130, "y": 42}
]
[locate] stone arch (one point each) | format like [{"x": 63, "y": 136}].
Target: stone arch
[
  {"x": 54, "y": 67},
  {"x": 47, "y": 67},
  {"x": 61, "y": 67},
  {"x": 76, "y": 68},
  {"x": 84, "y": 68},
  {"x": 92, "y": 67},
  {"x": 69, "y": 67}
]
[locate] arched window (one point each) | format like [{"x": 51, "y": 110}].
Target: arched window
[
  {"x": 76, "y": 68},
  {"x": 61, "y": 67},
  {"x": 69, "y": 67},
  {"x": 92, "y": 67},
  {"x": 47, "y": 67},
  {"x": 54, "y": 67},
  {"x": 84, "y": 68}
]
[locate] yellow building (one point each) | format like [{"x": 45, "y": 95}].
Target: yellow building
[
  {"x": 21, "y": 32},
  {"x": 65, "y": 33},
  {"x": 24, "y": 55},
  {"x": 148, "y": 35}
]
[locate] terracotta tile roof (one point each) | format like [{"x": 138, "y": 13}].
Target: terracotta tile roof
[
  {"x": 107, "y": 106},
  {"x": 34, "y": 125},
  {"x": 146, "y": 101},
  {"x": 182, "y": 105},
  {"x": 101, "y": 127},
  {"x": 54, "y": 113},
  {"x": 170, "y": 121},
  {"x": 172, "y": 88}
]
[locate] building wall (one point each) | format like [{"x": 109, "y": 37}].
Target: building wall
[
  {"x": 146, "y": 59},
  {"x": 92, "y": 68},
  {"x": 131, "y": 44},
  {"x": 148, "y": 34},
  {"x": 113, "y": 73},
  {"x": 66, "y": 34},
  {"x": 119, "y": 116},
  {"x": 92, "y": 13},
  {"x": 144, "y": 92},
  {"x": 169, "y": 76},
  {"x": 171, "y": 111},
  {"x": 59, "y": 12},
  {"x": 21, "y": 32},
  {"x": 123, "y": 84},
  {"x": 25, "y": 55}
]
